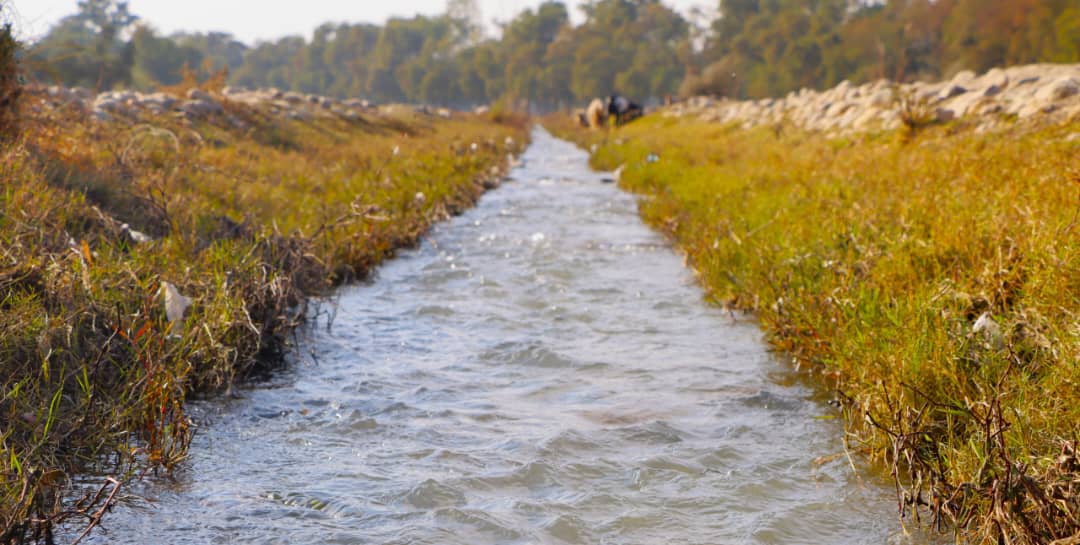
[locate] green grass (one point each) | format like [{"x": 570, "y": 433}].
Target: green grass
[
  {"x": 870, "y": 259},
  {"x": 248, "y": 219}
]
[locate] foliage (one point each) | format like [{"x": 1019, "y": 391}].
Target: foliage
[
  {"x": 90, "y": 48},
  {"x": 931, "y": 278},
  {"x": 771, "y": 47},
  {"x": 541, "y": 60},
  {"x": 249, "y": 213},
  {"x": 10, "y": 88},
  {"x": 640, "y": 48}
]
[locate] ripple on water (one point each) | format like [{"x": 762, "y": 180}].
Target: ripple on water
[
  {"x": 534, "y": 476},
  {"x": 531, "y": 353},
  {"x": 657, "y": 432},
  {"x": 432, "y": 494},
  {"x": 569, "y": 529},
  {"x": 476, "y": 526}
]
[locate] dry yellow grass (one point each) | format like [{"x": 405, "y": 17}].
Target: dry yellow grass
[
  {"x": 932, "y": 280},
  {"x": 246, "y": 218}
]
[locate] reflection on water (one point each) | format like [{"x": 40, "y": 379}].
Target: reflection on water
[{"x": 541, "y": 370}]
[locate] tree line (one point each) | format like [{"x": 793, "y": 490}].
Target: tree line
[
  {"x": 640, "y": 48},
  {"x": 759, "y": 48}
]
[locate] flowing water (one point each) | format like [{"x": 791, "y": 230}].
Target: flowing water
[{"x": 541, "y": 370}]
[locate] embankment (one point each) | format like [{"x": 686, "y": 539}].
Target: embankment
[
  {"x": 996, "y": 100},
  {"x": 928, "y": 272},
  {"x": 159, "y": 245}
]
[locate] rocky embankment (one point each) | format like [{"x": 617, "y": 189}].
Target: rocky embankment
[
  {"x": 1043, "y": 92},
  {"x": 200, "y": 104}
]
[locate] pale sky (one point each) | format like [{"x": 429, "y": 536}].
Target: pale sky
[{"x": 251, "y": 20}]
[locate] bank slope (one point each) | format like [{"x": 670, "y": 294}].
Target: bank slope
[
  {"x": 149, "y": 252},
  {"x": 930, "y": 275}
]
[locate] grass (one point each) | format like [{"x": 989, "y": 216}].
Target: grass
[
  {"x": 930, "y": 278},
  {"x": 248, "y": 213}
]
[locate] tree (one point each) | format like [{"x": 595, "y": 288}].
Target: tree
[
  {"x": 89, "y": 48},
  {"x": 467, "y": 18},
  {"x": 160, "y": 60}
]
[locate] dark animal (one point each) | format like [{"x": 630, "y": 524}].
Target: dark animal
[{"x": 623, "y": 110}]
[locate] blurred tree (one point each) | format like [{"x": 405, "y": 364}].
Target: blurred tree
[
  {"x": 159, "y": 60},
  {"x": 90, "y": 48},
  {"x": 640, "y": 48}
]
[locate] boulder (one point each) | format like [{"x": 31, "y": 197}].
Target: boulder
[
  {"x": 81, "y": 93},
  {"x": 882, "y": 98},
  {"x": 357, "y": 104},
  {"x": 950, "y": 91},
  {"x": 107, "y": 103},
  {"x": 996, "y": 79},
  {"x": 943, "y": 115},
  {"x": 1033, "y": 109},
  {"x": 199, "y": 94},
  {"x": 962, "y": 78},
  {"x": 201, "y": 108},
  {"x": 157, "y": 100},
  {"x": 1059, "y": 89}
]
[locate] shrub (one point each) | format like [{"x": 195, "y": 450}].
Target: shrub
[{"x": 10, "y": 86}]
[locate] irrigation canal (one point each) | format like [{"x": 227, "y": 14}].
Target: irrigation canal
[{"x": 542, "y": 370}]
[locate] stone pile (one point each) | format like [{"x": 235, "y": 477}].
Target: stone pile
[
  {"x": 199, "y": 104},
  {"x": 1040, "y": 92}
]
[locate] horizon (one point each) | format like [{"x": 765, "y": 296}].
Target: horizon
[{"x": 33, "y": 21}]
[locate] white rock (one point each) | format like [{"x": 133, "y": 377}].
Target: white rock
[
  {"x": 160, "y": 100},
  {"x": 176, "y": 304},
  {"x": 882, "y": 98},
  {"x": 199, "y": 94},
  {"x": 1033, "y": 109},
  {"x": 81, "y": 93},
  {"x": 107, "y": 103},
  {"x": 201, "y": 108},
  {"x": 135, "y": 236},
  {"x": 963, "y": 77},
  {"x": 990, "y": 331},
  {"x": 994, "y": 81},
  {"x": 1058, "y": 90},
  {"x": 950, "y": 91}
]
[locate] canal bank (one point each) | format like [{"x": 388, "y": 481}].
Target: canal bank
[
  {"x": 926, "y": 275},
  {"x": 542, "y": 369},
  {"x": 149, "y": 257}
]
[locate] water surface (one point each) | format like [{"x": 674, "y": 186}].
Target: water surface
[{"x": 541, "y": 370}]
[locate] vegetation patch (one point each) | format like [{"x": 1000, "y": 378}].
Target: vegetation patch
[
  {"x": 154, "y": 256},
  {"x": 931, "y": 278}
]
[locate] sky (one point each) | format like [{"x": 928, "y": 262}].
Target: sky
[{"x": 252, "y": 20}]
